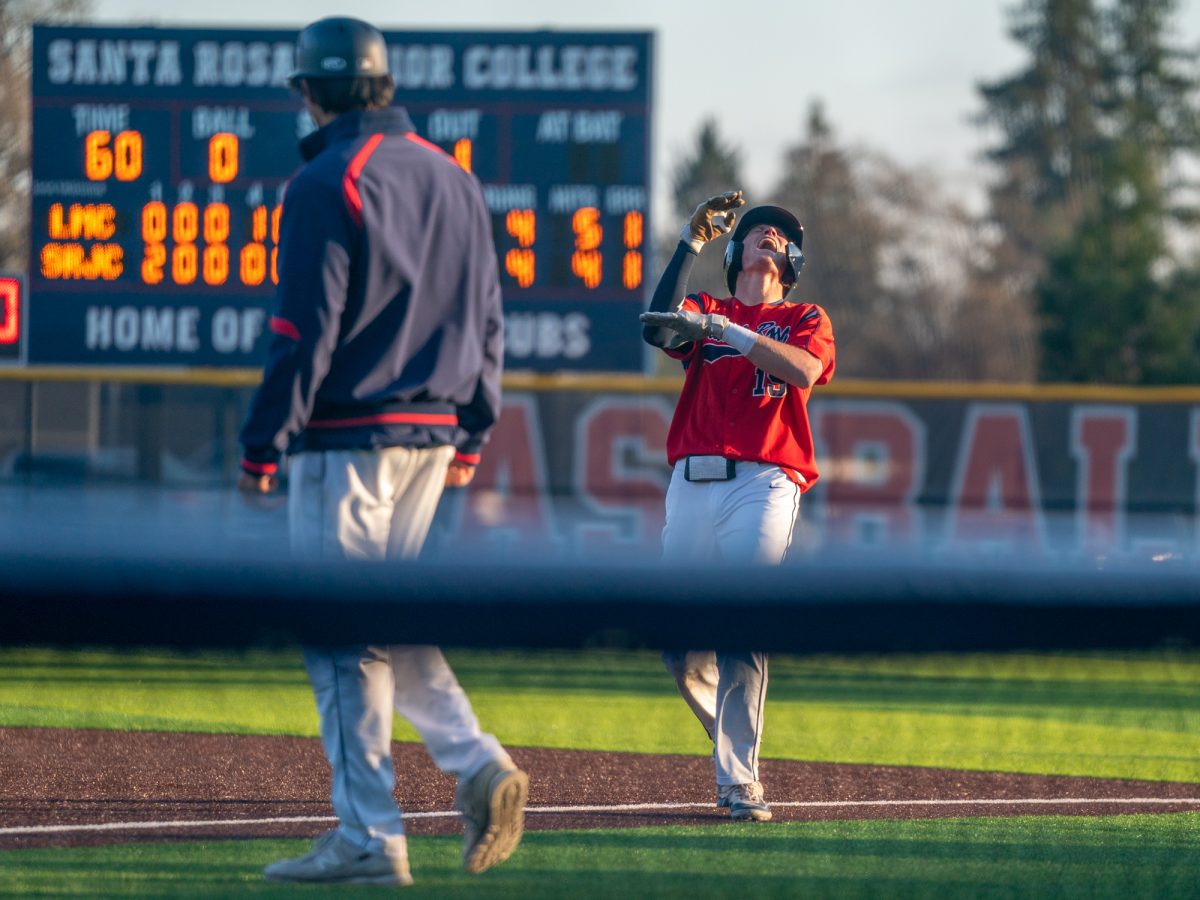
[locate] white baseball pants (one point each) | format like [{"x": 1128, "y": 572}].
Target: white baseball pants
[
  {"x": 748, "y": 519},
  {"x": 372, "y": 505}
]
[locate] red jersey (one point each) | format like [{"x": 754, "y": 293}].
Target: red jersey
[{"x": 729, "y": 407}]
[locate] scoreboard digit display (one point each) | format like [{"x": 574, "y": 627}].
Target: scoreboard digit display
[{"x": 160, "y": 158}]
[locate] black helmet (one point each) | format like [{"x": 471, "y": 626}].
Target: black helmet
[
  {"x": 770, "y": 215},
  {"x": 340, "y": 47}
]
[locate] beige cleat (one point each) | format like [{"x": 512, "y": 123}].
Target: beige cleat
[
  {"x": 335, "y": 860},
  {"x": 745, "y": 801},
  {"x": 492, "y": 803}
]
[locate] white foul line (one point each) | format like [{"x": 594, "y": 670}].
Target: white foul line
[{"x": 618, "y": 807}]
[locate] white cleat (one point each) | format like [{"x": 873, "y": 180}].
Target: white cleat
[
  {"x": 335, "y": 860},
  {"x": 744, "y": 801}
]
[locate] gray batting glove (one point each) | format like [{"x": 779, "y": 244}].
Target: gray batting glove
[
  {"x": 687, "y": 324},
  {"x": 712, "y": 218}
]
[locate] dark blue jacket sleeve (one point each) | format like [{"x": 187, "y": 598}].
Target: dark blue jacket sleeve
[{"x": 316, "y": 239}]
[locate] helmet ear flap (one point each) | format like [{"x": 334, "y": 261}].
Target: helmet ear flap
[
  {"x": 795, "y": 258},
  {"x": 733, "y": 264}
]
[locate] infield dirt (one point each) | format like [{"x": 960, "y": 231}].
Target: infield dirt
[{"x": 61, "y": 777}]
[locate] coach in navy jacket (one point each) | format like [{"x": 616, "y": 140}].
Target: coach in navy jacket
[
  {"x": 382, "y": 383},
  {"x": 388, "y": 329}
]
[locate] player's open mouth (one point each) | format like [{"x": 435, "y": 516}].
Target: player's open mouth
[{"x": 768, "y": 244}]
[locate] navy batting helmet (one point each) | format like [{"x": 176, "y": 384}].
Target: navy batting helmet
[
  {"x": 340, "y": 47},
  {"x": 769, "y": 215}
]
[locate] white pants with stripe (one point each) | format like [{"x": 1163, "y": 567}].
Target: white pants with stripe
[
  {"x": 373, "y": 505},
  {"x": 746, "y": 520}
]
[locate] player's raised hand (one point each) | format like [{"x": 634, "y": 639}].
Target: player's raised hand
[
  {"x": 712, "y": 218},
  {"x": 687, "y": 324}
]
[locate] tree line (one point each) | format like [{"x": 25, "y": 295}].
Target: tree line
[{"x": 1083, "y": 267}]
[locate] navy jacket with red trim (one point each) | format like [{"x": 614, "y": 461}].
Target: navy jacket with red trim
[{"x": 388, "y": 328}]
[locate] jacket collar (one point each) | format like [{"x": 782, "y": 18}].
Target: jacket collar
[{"x": 350, "y": 125}]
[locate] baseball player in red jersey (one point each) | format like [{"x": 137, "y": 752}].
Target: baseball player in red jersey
[{"x": 740, "y": 446}]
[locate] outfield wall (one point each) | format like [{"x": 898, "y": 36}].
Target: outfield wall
[{"x": 579, "y": 462}]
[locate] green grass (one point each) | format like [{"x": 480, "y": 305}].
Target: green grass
[
  {"x": 1116, "y": 715},
  {"x": 1054, "y": 857},
  {"x": 1125, "y": 715}
]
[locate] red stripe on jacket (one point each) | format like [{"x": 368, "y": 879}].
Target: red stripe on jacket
[
  {"x": 353, "y": 171},
  {"x": 428, "y": 145},
  {"x": 279, "y": 325},
  {"x": 388, "y": 419}
]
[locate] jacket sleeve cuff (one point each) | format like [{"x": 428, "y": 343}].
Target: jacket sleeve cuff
[
  {"x": 469, "y": 459},
  {"x": 260, "y": 462}
]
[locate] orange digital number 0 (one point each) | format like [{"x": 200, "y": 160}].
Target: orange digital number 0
[{"x": 223, "y": 157}]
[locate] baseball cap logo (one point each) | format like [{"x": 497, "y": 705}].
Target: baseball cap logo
[{"x": 333, "y": 64}]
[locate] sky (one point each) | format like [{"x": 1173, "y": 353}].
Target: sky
[{"x": 898, "y": 76}]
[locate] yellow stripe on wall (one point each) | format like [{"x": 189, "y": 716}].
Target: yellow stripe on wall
[{"x": 654, "y": 384}]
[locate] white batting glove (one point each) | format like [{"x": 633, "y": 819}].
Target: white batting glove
[
  {"x": 687, "y": 324},
  {"x": 712, "y": 218}
]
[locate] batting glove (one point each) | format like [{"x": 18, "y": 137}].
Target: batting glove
[
  {"x": 687, "y": 324},
  {"x": 712, "y": 218}
]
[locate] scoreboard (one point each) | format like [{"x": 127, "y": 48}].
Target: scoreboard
[{"x": 160, "y": 157}]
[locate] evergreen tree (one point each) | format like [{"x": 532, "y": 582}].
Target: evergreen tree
[
  {"x": 1097, "y": 292},
  {"x": 1049, "y": 128},
  {"x": 1087, "y": 216}
]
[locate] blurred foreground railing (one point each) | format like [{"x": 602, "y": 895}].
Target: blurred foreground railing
[{"x": 834, "y": 605}]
